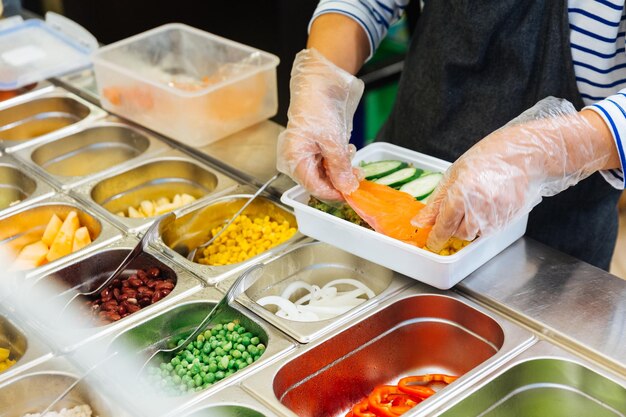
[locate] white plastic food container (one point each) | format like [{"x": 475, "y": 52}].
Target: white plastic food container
[
  {"x": 439, "y": 271},
  {"x": 187, "y": 84}
]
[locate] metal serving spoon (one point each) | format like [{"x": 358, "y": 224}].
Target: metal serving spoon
[
  {"x": 192, "y": 255},
  {"x": 241, "y": 284}
]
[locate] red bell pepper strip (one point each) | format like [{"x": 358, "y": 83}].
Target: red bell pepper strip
[
  {"x": 389, "y": 401},
  {"x": 361, "y": 409},
  {"x": 407, "y": 385}
]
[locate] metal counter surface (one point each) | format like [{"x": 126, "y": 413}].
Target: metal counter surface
[{"x": 569, "y": 301}]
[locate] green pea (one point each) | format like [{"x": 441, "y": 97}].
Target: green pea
[
  {"x": 219, "y": 351},
  {"x": 177, "y": 379},
  {"x": 241, "y": 365},
  {"x": 213, "y": 354},
  {"x": 230, "y": 326},
  {"x": 186, "y": 378},
  {"x": 175, "y": 361},
  {"x": 209, "y": 378},
  {"x": 206, "y": 348},
  {"x": 198, "y": 344},
  {"x": 189, "y": 357},
  {"x": 236, "y": 354},
  {"x": 223, "y": 363},
  {"x": 248, "y": 335},
  {"x": 249, "y": 360},
  {"x": 169, "y": 367},
  {"x": 245, "y": 341},
  {"x": 212, "y": 367},
  {"x": 207, "y": 334},
  {"x": 204, "y": 368},
  {"x": 221, "y": 333},
  {"x": 245, "y": 355},
  {"x": 261, "y": 347},
  {"x": 195, "y": 369},
  {"x": 257, "y": 357},
  {"x": 181, "y": 372},
  {"x": 195, "y": 360},
  {"x": 254, "y": 340},
  {"x": 200, "y": 338},
  {"x": 180, "y": 342},
  {"x": 191, "y": 384},
  {"x": 253, "y": 350},
  {"x": 228, "y": 346},
  {"x": 241, "y": 330},
  {"x": 195, "y": 352},
  {"x": 206, "y": 359},
  {"x": 219, "y": 375},
  {"x": 218, "y": 327},
  {"x": 162, "y": 366},
  {"x": 197, "y": 380}
]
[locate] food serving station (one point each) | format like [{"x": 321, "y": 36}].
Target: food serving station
[{"x": 526, "y": 329}]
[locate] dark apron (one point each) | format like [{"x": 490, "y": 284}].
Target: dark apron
[{"x": 472, "y": 66}]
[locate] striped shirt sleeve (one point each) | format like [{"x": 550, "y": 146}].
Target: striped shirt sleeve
[
  {"x": 613, "y": 111},
  {"x": 374, "y": 16}
]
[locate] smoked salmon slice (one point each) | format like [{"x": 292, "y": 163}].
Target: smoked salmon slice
[{"x": 388, "y": 211}]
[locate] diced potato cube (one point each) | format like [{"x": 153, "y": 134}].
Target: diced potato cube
[
  {"x": 53, "y": 227},
  {"x": 62, "y": 244},
  {"x": 187, "y": 199},
  {"x": 31, "y": 256},
  {"x": 133, "y": 213},
  {"x": 147, "y": 207},
  {"x": 81, "y": 239}
]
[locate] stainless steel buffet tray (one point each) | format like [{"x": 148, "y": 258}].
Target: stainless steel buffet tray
[
  {"x": 193, "y": 227},
  {"x": 92, "y": 268},
  {"x": 317, "y": 263},
  {"x": 95, "y": 150},
  {"x": 41, "y": 115},
  {"x": 20, "y": 187},
  {"x": 27, "y": 348},
  {"x": 418, "y": 331},
  {"x": 163, "y": 175},
  {"x": 26, "y": 225},
  {"x": 544, "y": 380}
]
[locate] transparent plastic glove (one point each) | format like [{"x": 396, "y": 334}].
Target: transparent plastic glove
[
  {"x": 545, "y": 150},
  {"x": 314, "y": 148}
]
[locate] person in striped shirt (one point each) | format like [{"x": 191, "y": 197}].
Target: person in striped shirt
[{"x": 525, "y": 95}]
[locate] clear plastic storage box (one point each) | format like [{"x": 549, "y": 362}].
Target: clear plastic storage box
[
  {"x": 439, "y": 271},
  {"x": 187, "y": 84}
]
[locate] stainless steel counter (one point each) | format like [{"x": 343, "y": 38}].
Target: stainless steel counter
[{"x": 569, "y": 301}]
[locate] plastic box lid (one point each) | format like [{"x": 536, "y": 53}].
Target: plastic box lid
[{"x": 33, "y": 50}]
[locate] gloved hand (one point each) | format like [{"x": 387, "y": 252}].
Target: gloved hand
[
  {"x": 545, "y": 150},
  {"x": 314, "y": 148}
]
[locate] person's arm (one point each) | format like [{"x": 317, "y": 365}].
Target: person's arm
[
  {"x": 547, "y": 149},
  {"x": 314, "y": 149},
  {"x": 341, "y": 39}
]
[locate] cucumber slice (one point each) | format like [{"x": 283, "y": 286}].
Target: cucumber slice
[
  {"x": 374, "y": 170},
  {"x": 423, "y": 186},
  {"x": 396, "y": 179}
]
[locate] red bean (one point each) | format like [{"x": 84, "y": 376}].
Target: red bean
[
  {"x": 164, "y": 285},
  {"x": 129, "y": 294},
  {"x": 156, "y": 297},
  {"x": 135, "y": 282}
]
